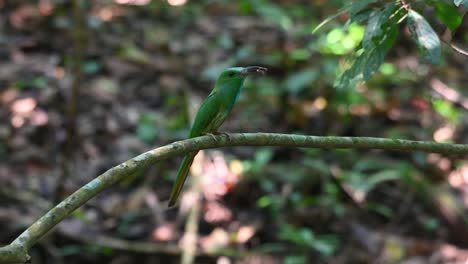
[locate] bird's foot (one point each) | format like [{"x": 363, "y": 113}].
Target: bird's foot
[
  {"x": 212, "y": 135},
  {"x": 216, "y": 134},
  {"x": 226, "y": 134}
]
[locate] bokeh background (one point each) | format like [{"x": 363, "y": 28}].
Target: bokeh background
[{"x": 86, "y": 85}]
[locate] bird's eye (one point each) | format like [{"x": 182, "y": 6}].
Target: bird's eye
[{"x": 231, "y": 74}]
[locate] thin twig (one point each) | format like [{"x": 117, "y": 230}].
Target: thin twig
[{"x": 457, "y": 49}]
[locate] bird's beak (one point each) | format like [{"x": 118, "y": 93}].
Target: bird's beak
[{"x": 253, "y": 70}]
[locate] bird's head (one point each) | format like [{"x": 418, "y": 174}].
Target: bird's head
[{"x": 238, "y": 74}]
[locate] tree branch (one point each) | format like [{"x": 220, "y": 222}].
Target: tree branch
[{"x": 17, "y": 250}]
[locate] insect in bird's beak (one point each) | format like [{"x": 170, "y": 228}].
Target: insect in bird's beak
[{"x": 253, "y": 70}]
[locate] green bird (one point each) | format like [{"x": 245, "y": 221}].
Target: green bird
[{"x": 212, "y": 113}]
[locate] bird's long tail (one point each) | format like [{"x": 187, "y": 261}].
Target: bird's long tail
[{"x": 181, "y": 177}]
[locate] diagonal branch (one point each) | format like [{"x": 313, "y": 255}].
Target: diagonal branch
[{"x": 17, "y": 250}]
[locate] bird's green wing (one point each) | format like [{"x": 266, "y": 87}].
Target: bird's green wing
[
  {"x": 206, "y": 114},
  {"x": 209, "y": 110}
]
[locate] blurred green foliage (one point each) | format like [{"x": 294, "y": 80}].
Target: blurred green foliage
[
  {"x": 147, "y": 129},
  {"x": 382, "y": 30},
  {"x": 38, "y": 82},
  {"x": 305, "y": 239},
  {"x": 315, "y": 86}
]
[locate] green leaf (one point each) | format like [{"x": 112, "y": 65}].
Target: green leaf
[
  {"x": 381, "y": 30},
  {"x": 446, "y": 109},
  {"x": 461, "y": 2},
  {"x": 273, "y": 13},
  {"x": 326, "y": 244},
  {"x": 265, "y": 201},
  {"x": 381, "y": 209},
  {"x": 133, "y": 53},
  {"x": 306, "y": 238},
  {"x": 354, "y": 8},
  {"x": 359, "y": 6},
  {"x": 380, "y": 177},
  {"x": 380, "y": 35},
  {"x": 146, "y": 129},
  {"x": 69, "y": 250},
  {"x": 91, "y": 67},
  {"x": 427, "y": 40},
  {"x": 431, "y": 223},
  {"x": 301, "y": 80},
  {"x": 330, "y": 18},
  {"x": 448, "y": 14},
  {"x": 366, "y": 183},
  {"x": 295, "y": 259},
  {"x": 263, "y": 156}
]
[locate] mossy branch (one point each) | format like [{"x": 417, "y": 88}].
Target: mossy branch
[{"x": 16, "y": 252}]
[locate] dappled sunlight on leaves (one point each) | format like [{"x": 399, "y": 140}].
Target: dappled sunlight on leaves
[
  {"x": 217, "y": 179},
  {"x": 236, "y": 167},
  {"x": 105, "y": 14},
  {"x": 17, "y": 121},
  {"x": 440, "y": 161},
  {"x": 46, "y": 7},
  {"x": 452, "y": 254},
  {"x": 444, "y": 134},
  {"x": 313, "y": 108},
  {"x": 24, "y": 110},
  {"x": 24, "y": 106},
  {"x": 187, "y": 240},
  {"x": 360, "y": 109},
  {"x": 262, "y": 259},
  {"x": 245, "y": 233},
  {"x": 177, "y": 2},
  {"x": 217, "y": 240},
  {"x": 216, "y": 213},
  {"x": 223, "y": 260},
  {"x": 24, "y": 16},
  {"x": 8, "y": 96},
  {"x": 188, "y": 199},
  {"x": 59, "y": 72},
  {"x": 133, "y": 2},
  {"x": 39, "y": 117},
  {"x": 459, "y": 179},
  {"x": 409, "y": 63},
  {"x": 165, "y": 232},
  {"x": 449, "y": 93},
  {"x": 395, "y": 114}
]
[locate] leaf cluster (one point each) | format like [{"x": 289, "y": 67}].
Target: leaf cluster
[{"x": 383, "y": 27}]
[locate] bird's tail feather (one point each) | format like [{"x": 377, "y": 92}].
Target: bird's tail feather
[{"x": 181, "y": 177}]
